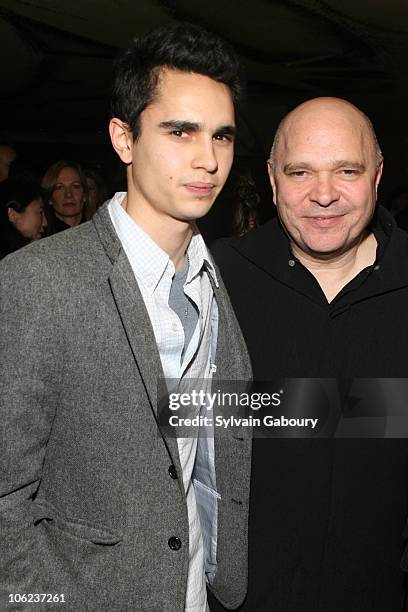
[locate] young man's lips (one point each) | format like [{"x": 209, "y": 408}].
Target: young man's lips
[{"x": 199, "y": 188}]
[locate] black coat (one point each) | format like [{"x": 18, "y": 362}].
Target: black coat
[{"x": 327, "y": 515}]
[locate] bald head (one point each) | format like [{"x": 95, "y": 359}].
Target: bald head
[
  {"x": 325, "y": 168},
  {"x": 325, "y": 110}
]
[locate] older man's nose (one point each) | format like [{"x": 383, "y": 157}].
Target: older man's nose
[{"x": 324, "y": 191}]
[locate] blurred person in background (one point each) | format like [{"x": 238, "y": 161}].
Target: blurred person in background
[
  {"x": 97, "y": 192},
  {"x": 398, "y": 206},
  {"x": 7, "y": 157},
  {"x": 245, "y": 215},
  {"x": 65, "y": 192},
  {"x": 22, "y": 217},
  {"x": 398, "y": 200}
]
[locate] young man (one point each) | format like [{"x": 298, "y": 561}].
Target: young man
[{"x": 98, "y": 506}]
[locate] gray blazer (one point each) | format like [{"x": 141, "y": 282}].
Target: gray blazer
[{"x": 88, "y": 503}]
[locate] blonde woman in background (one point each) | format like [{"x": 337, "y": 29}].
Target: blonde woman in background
[{"x": 65, "y": 193}]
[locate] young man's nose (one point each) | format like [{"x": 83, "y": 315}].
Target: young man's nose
[{"x": 204, "y": 156}]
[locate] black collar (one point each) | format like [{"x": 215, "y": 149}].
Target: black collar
[{"x": 268, "y": 248}]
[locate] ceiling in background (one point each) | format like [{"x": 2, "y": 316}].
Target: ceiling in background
[{"x": 57, "y": 59}]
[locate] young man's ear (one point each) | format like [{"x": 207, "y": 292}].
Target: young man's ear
[
  {"x": 122, "y": 140},
  {"x": 12, "y": 214}
]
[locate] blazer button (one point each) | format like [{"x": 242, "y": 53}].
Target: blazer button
[
  {"x": 174, "y": 543},
  {"x": 173, "y": 472}
]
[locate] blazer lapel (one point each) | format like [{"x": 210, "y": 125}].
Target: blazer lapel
[
  {"x": 137, "y": 326},
  {"x": 135, "y": 321}
]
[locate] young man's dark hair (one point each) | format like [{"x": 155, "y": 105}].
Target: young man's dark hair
[{"x": 185, "y": 47}]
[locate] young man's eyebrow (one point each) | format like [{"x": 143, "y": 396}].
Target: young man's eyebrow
[
  {"x": 189, "y": 126},
  {"x": 179, "y": 124},
  {"x": 228, "y": 130}
]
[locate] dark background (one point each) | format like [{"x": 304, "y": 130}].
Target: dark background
[{"x": 56, "y": 65}]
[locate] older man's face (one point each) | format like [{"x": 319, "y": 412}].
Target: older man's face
[{"x": 325, "y": 179}]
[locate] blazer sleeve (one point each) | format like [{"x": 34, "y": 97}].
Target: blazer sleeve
[{"x": 30, "y": 352}]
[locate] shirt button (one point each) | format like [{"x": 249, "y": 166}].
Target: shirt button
[
  {"x": 291, "y": 262},
  {"x": 174, "y": 327},
  {"x": 173, "y": 472},
  {"x": 377, "y": 267},
  {"x": 174, "y": 543}
]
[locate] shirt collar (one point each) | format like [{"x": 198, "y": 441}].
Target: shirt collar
[
  {"x": 149, "y": 262},
  {"x": 199, "y": 258}
]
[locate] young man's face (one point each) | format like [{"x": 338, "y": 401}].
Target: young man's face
[{"x": 184, "y": 153}]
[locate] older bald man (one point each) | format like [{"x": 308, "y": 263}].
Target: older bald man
[{"x": 322, "y": 292}]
